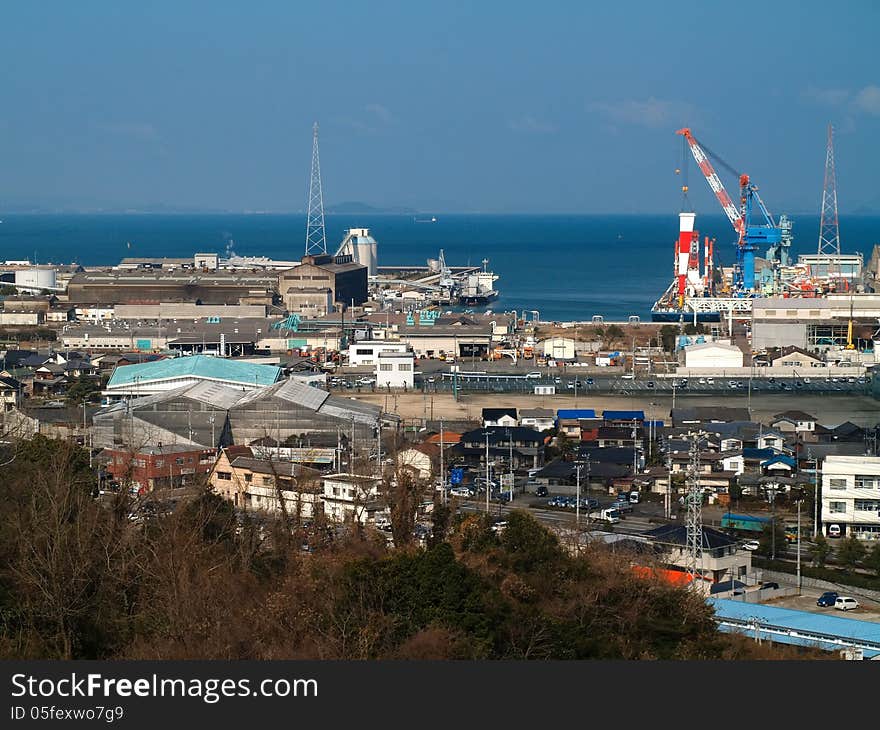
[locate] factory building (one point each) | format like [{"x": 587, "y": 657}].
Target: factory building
[
  {"x": 172, "y": 285},
  {"x": 321, "y": 282},
  {"x": 165, "y": 375},
  {"x": 813, "y": 323},
  {"x": 361, "y": 247},
  {"x": 212, "y": 414}
]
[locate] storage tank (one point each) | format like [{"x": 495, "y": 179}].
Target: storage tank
[
  {"x": 35, "y": 279},
  {"x": 362, "y": 247}
]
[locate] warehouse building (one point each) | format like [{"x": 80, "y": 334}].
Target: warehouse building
[
  {"x": 319, "y": 283},
  {"x": 213, "y": 414},
  {"x": 165, "y": 375},
  {"x": 172, "y": 285}
]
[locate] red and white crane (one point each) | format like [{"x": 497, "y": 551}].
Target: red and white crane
[{"x": 702, "y": 159}]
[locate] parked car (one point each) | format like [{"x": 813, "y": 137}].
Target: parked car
[
  {"x": 461, "y": 492},
  {"x": 772, "y": 586},
  {"x": 534, "y": 375},
  {"x": 751, "y": 545},
  {"x": 541, "y": 492},
  {"x": 834, "y": 531},
  {"x": 589, "y": 381},
  {"x": 650, "y": 384},
  {"x": 499, "y": 526},
  {"x": 845, "y": 603},
  {"x": 827, "y": 599}
]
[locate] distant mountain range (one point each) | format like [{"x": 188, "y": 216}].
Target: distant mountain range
[{"x": 354, "y": 207}]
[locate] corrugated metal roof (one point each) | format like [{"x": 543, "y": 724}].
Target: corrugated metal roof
[
  {"x": 804, "y": 622},
  {"x": 202, "y": 366},
  {"x": 349, "y": 409},
  {"x": 301, "y": 394},
  {"x": 215, "y": 394}
]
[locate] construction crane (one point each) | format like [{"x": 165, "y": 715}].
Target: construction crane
[{"x": 749, "y": 234}]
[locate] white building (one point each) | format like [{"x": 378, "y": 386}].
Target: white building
[
  {"x": 352, "y": 497},
  {"x": 395, "y": 370},
  {"x": 540, "y": 419},
  {"x": 851, "y": 496},
  {"x": 367, "y": 352},
  {"x": 559, "y": 348},
  {"x": 713, "y": 355}
]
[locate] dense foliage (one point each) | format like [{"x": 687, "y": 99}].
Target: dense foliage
[{"x": 80, "y": 579}]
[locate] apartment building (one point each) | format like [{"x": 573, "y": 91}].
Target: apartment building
[{"x": 851, "y": 496}]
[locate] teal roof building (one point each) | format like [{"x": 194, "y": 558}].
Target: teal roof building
[{"x": 160, "y": 376}]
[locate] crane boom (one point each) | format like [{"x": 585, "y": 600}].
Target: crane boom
[{"x": 733, "y": 213}]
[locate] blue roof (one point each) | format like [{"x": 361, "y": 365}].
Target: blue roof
[
  {"x": 575, "y": 413},
  {"x": 624, "y": 415},
  {"x": 803, "y": 622},
  {"x": 199, "y": 366},
  {"x": 752, "y": 453},
  {"x": 780, "y": 459},
  {"x": 732, "y": 516}
]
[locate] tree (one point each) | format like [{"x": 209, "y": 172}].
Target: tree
[
  {"x": 820, "y": 551},
  {"x": 850, "y": 553},
  {"x": 613, "y": 333},
  {"x": 668, "y": 335},
  {"x": 772, "y": 531},
  {"x": 872, "y": 562}
]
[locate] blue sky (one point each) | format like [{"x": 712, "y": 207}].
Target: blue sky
[{"x": 452, "y": 106}]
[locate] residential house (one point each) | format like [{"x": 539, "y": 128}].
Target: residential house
[
  {"x": 500, "y": 417},
  {"x": 774, "y": 440},
  {"x": 779, "y": 464},
  {"x": 732, "y": 460},
  {"x": 795, "y": 357},
  {"x": 272, "y": 486},
  {"x": 160, "y": 467},
  {"x": 352, "y": 497},
  {"x": 797, "y": 422},
  {"x": 594, "y": 475},
  {"x": 49, "y": 379},
  {"x": 623, "y": 418},
  {"x": 540, "y": 419},
  {"x": 721, "y": 558},
  {"x": 524, "y": 445},
  {"x": 11, "y": 393},
  {"x": 619, "y": 436},
  {"x": 421, "y": 460}
]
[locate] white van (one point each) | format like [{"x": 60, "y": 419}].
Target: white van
[
  {"x": 845, "y": 603},
  {"x": 833, "y": 530}
]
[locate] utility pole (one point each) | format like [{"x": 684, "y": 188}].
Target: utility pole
[
  {"x": 510, "y": 444},
  {"x": 577, "y": 507},
  {"x": 799, "y": 545},
  {"x": 487, "y": 471},
  {"x": 442, "y": 467}
]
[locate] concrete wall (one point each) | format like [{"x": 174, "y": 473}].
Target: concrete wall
[
  {"x": 187, "y": 310},
  {"x": 778, "y": 334}
]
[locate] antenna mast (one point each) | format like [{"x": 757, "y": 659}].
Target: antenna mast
[
  {"x": 829, "y": 232},
  {"x": 316, "y": 240}
]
